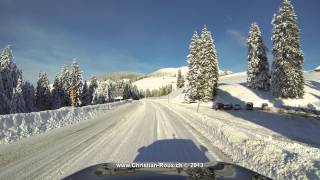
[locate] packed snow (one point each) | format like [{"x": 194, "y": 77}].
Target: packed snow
[{"x": 14, "y": 127}]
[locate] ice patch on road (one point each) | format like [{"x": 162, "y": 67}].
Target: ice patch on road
[{"x": 14, "y": 127}]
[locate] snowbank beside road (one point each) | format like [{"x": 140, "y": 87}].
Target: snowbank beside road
[
  {"x": 257, "y": 147},
  {"x": 17, "y": 126}
]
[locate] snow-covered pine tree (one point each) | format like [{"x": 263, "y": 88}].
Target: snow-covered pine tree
[
  {"x": 287, "y": 79},
  {"x": 65, "y": 83},
  {"x": 258, "y": 76},
  {"x": 5, "y": 104},
  {"x": 85, "y": 94},
  {"x": 43, "y": 95},
  {"x": 29, "y": 96},
  {"x": 148, "y": 93},
  {"x": 17, "y": 104},
  {"x": 135, "y": 93},
  {"x": 101, "y": 93},
  {"x": 92, "y": 87},
  {"x": 180, "y": 80},
  {"x": 57, "y": 93},
  {"x": 9, "y": 71},
  {"x": 127, "y": 91},
  {"x": 208, "y": 73},
  {"x": 193, "y": 64},
  {"x": 75, "y": 84}
]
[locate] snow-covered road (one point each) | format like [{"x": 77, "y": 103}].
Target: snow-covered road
[{"x": 146, "y": 130}]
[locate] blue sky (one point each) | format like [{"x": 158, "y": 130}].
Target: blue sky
[{"x": 139, "y": 35}]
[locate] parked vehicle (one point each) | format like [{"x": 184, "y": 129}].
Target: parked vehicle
[
  {"x": 237, "y": 107},
  {"x": 249, "y": 106},
  {"x": 219, "y": 106},
  {"x": 228, "y": 107},
  {"x": 264, "y": 106}
]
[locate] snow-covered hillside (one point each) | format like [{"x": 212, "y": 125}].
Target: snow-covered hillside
[
  {"x": 174, "y": 71},
  {"x": 165, "y": 76},
  {"x": 232, "y": 89}
]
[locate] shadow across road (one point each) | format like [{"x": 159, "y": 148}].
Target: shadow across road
[{"x": 172, "y": 150}]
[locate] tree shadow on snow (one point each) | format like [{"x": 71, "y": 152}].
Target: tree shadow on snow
[
  {"x": 313, "y": 85},
  {"x": 265, "y": 95},
  {"x": 304, "y": 130},
  {"x": 172, "y": 150}
]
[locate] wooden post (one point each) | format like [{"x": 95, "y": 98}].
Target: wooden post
[{"x": 198, "y": 106}]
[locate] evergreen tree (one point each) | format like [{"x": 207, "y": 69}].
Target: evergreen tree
[
  {"x": 65, "y": 83},
  {"x": 112, "y": 92},
  {"x": 92, "y": 87},
  {"x": 180, "y": 80},
  {"x": 85, "y": 94},
  {"x": 258, "y": 66},
  {"x": 287, "y": 79},
  {"x": 148, "y": 93},
  {"x": 43, "y": 95},
  {"x": 101, "y": 93},
  {"x": 193, "y": 64},
  {"x": 5, "y": 104},
  {"x": 57, "y": 94},
  {"x": 208, "y": 70},
  {"x": 76, "y": 84},
  {"x": 127, "y": 92},
  {"x": 29, "y": 96},
  {"x": 17, "y": 104},
  {"x": 9, "y": 72}
]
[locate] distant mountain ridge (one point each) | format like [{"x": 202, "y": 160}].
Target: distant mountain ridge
[{"x": 114, "y": 76}]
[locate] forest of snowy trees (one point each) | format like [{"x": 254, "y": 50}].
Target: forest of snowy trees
[{"x": 68, "y": 89}]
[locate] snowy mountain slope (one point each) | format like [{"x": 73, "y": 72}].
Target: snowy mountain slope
[
  {"x": 174, "y": 71},
  {"x": 165, "y": 76},
  {"x": 155, "y": 82}
]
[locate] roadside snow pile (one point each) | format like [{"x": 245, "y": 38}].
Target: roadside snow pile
[
  {"x": 258, "y": 148},
  {"x": 17, "y": 126}
]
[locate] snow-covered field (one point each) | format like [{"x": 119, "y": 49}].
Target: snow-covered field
[{"x": 14, "y": 127}]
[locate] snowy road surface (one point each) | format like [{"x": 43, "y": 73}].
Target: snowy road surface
[{"x": 140, "y": 132}]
